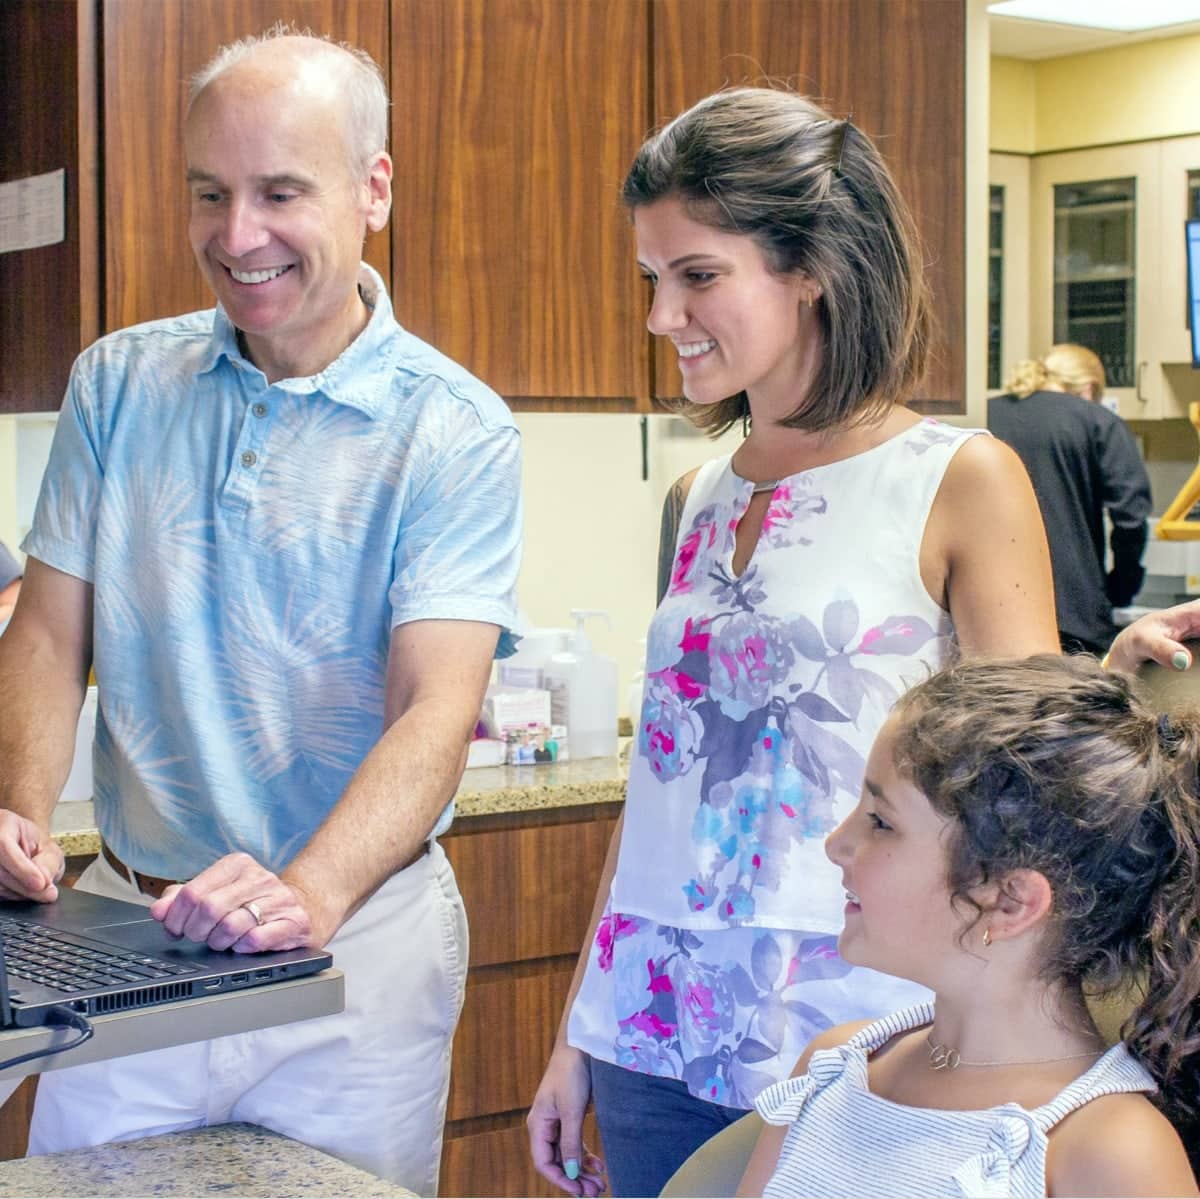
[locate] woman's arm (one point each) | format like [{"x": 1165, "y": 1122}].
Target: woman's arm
[
  {"x": 555, "y": 1120},
  {"x": 984, "y": 555}
]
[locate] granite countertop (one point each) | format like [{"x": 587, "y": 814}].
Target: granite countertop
[
  {"x": 226, "y": 1159},
  {"x": 484, "y": 791}
]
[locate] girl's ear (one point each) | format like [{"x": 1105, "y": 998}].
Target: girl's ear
[{"x": 1022, "y": 900}]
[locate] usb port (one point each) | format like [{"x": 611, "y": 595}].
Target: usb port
[
  {"x": 262, "y": 974},
  {"x": 239, "y": 978}
]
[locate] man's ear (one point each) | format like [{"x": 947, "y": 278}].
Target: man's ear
[
  {"x": 1022, "y": 901},
  {"x": 379, "y": 191}
]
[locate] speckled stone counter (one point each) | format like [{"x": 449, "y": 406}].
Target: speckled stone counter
[
  {"x": 227, "y": 1159},
  {"x": 485, "y": 791}
]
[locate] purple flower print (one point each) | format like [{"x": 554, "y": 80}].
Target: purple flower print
[
  {"x": 930, "y": 433},
  {"x": 746, "y": 656},
  {"x": 670, "y": 731},
  {"x": 699, "y": 1006}
]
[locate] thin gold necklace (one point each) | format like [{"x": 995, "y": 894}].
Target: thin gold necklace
[{"x": 942, "y": 1057}]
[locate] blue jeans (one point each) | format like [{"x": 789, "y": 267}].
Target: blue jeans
[{"x": 649, "y": 1126}]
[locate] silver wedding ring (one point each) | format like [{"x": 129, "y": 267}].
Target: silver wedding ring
[{"x": 254, "y": 910}]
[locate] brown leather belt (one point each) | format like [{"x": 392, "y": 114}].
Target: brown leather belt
[{"x": 147, "y": 884}]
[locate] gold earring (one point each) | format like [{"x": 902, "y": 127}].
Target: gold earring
[{"x": 987, "y": 937}]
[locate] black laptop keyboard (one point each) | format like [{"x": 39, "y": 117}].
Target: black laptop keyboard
[{"x": 69, "y": 963}]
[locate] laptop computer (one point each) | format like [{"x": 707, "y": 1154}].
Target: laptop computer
[{"x": 96, "y": 955}]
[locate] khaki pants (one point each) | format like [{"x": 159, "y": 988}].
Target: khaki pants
[{"x": 368, "y": 1085}]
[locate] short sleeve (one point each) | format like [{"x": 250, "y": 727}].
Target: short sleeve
[
  {"x": 10, "y": 568},
  {"x": 63, "y": 534},
  {"x": 458, "y": 552}
]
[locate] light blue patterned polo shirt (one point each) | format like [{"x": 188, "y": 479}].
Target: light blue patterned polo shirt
[{"x": 252, "y": 545}]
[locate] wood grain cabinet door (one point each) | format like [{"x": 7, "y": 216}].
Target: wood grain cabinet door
[
  {"x": 898, "y": 66},
  {"x": 513, "y": 124},
  {"x": 151, "y": 49}
]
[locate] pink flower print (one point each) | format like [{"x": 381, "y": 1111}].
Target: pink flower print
[
  {"x": 700, "y": 538},
  {"x": 659, "y": 981},
  {"x": 700, "y": 1008},
  {"x": 695, "y": 636},
  {"x": 745, "y": 658},
  {"x": 650, "y": 1024},
  {"x": 612, "y": 927}
]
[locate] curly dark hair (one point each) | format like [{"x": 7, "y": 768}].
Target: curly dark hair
[
  {"x": 817, "y": 197},
  {"x": 1054, "y": 764}
]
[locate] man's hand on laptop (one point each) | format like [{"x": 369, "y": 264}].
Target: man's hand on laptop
[
  {"x": 240, "y": 905},
  {"x": 31, "y": 862}
]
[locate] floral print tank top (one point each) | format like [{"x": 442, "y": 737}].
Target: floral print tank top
[{"x": 716, "y": 959}]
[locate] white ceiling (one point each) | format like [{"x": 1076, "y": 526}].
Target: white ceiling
[{"x": 1012, "y": 37}]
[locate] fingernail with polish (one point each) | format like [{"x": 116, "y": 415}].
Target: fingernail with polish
[
  {"x": 1180, "y": 660},
  {"x": 571, "y": 1168}
]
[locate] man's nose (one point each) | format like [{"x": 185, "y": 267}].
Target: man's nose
[
  {"x": 243, "y": 230},
  {"x": 667, "y": 314}
]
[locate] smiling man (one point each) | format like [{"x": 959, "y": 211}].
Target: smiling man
[{"x": 286, "y": 533}]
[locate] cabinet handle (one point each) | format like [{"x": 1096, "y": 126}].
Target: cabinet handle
[{"x": 1141, "y": 399}]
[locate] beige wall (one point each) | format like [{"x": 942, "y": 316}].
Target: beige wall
[{"x": 1147, "y": 90}]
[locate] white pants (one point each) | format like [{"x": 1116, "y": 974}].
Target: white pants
[{"x": 368, "y": 1085}]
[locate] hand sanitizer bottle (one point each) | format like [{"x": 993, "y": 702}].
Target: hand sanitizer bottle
[{"x": 583, "y": 692}]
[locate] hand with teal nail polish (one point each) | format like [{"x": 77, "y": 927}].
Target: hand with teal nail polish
[
  {"x": 1160, "y": 637},
  {"x": 555, "y": 1126}
]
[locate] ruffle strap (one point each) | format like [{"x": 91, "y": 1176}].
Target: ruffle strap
[
  {"x": 780, "y": 1103},
  {"x": 988, "y": 1175}
]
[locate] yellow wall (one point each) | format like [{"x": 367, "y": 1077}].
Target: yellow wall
[
  {"x": 1012, "y": 111},
  {"x": 1140, "y": 92}
]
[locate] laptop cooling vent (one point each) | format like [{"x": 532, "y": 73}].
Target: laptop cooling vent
[{"x": 142, "y": 997}]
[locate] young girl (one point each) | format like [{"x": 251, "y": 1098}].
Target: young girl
[{"x": 1027, "y": 841}]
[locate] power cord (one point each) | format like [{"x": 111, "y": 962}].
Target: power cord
[{"x": 57, "y": 1017}]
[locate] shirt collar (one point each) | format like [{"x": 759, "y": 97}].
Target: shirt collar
[{"x": 360, "y": 376}]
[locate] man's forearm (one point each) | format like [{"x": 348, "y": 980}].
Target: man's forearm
[
  {"x": 387, "y": 811},
  {"x": 41, "y": 697}
]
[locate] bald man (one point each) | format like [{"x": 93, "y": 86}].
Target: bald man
[{"x": 286, "y": 533}]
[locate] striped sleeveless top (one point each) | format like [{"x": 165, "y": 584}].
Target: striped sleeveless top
[{"x": 844, "y": 1140}]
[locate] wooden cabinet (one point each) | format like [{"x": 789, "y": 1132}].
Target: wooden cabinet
[
  {"x": 846, "y": 55},
  {"x": 49, "y": 295},
  {"x": 151, "y": 48},
  {"x": 513, "y": 123},
  {"x": 528, "y": 882}
]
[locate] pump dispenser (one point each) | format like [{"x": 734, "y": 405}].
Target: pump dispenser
[{"x": 583, "y": 692}]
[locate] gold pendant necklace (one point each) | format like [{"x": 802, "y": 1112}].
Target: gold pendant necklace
[{"x": 943, "y": 1057}]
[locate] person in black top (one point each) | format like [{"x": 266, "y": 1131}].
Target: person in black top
[{"x": 1083, "y": 462}]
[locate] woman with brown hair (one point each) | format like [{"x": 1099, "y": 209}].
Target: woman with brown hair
[{"x": 843, "y": 552}]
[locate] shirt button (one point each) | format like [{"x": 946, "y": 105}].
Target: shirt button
[
  {"x": 249, "y": 458},
  {"x": 259, "y": 410}
]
